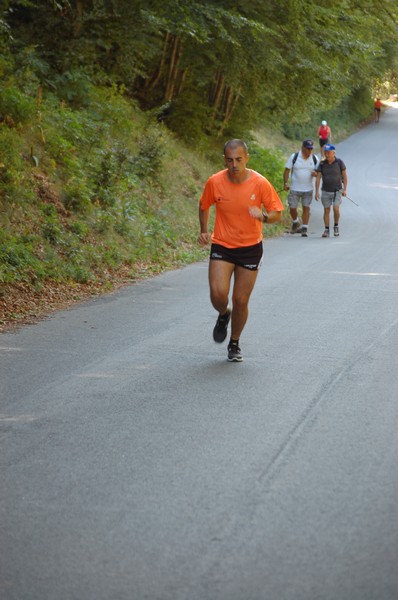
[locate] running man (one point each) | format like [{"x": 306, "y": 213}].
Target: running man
[
  {"x": 377, "y": 108},
  {"x": 239, "y": 195},
  {"x": 324, "y": 135}
]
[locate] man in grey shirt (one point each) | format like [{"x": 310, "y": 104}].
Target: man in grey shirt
[{"x": 333, "y": 173}]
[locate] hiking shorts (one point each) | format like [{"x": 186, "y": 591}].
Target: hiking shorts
[
  {"x": 324, "y": 141},
  {"x": 294, "y": 198},
  {"x": 248, "y": 257},
  {"x": 329, "y": 198}
]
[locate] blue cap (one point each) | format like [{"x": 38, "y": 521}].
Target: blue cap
[{"x": 328, "y": 147}]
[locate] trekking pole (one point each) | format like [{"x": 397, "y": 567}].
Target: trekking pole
[{"x": 350, "y": 199}]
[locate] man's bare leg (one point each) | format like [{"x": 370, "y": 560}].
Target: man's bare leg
[
  {"x": 220, "y": 273},
  {"x": 244, "y": 281}
]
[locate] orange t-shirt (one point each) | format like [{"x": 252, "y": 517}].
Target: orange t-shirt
[
  {"x": 234, "y": 227},
  {"x": 378, "y": 103}
]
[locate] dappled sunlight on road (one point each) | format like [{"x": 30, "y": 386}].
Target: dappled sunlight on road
[{"x": 393, "y": 186}]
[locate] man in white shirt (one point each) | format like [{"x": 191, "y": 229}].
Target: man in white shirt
[{"x": 301, "y": 167}]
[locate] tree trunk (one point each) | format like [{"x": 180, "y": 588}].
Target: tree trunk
[
  {"x": 151, "y": 83},
  {"x": 173, "y": 69},
  {"x": 79, "y": 18},
  {"x": 232, "y": 105},
  {"x": 231, "y": 101},
  {"x": 181, "y": 81},
  {"x": 218, "y": 92}
]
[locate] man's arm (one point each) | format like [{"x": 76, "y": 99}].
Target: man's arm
[
  {"x": 274, "y": 216},
  {"x": 204, "y": 236},
  {"x": 345, "y": 182},
  {"x": 286, "y": 178},
  {"x": 316, "y": 165},
  {"x": 317, "y": 184}
]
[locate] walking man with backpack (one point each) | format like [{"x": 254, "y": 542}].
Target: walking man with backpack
[
  {"x": 333, "y": 173},
  {"x": 301, "y": 167}
]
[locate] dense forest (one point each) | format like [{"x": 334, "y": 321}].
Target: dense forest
[
  {"x": 112, "y": 113},
  {"x": 207, "y": 67}
]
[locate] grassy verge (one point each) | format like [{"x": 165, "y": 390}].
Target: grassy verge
[
  {"x": 100, "y": 195},
  {"x": 94, "y": 197}
]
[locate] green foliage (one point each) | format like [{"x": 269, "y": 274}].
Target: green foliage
[
  {"x": 189, "y": 117},
  {"x": 151, "y": 149},
  {"x": 17, "y": 259},
  {"x": 76, "y": 195},
  {"x": 343, "y": 119},
  {"x": 73, "y": 86},
  {"x": 79, "y": 228},
  {"x": 101, "y": 195},
  {"x": 269, "y": 163},
  {"x": 11, "y": 149},
  {"x": 89, "y": 183},
  {"x": 51, "y": 228},
  {"x": 16, "y": 104},
  {"x": 219, "y": 68}
]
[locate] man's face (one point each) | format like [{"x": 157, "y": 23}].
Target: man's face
[
  {"x": 235, "y": 160},
  {"x": 306, "y": 152},
  {"x": 329, "y": 155}
]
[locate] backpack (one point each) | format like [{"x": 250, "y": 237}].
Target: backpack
[
  {"x": 295, "y": 158},
  {"x": 338, "y": 160}
]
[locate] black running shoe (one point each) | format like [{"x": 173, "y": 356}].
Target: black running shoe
[
  {"x": 234, "y": 353},
  {"x": 220, "y": 329},
  {"x": 336, "y": 230}
]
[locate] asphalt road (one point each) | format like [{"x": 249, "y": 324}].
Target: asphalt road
[{"x": 138, "y": 464}]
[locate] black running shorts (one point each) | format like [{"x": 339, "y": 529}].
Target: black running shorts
[{"x": 248, "y": 257}]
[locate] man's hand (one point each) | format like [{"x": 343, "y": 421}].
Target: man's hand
[{"x": 204, "y": 238}]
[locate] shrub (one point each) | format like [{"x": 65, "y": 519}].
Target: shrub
[
  {"x": 151, "y": 149},
  {"x": 17, "y": 104},
  {"x": 79, "y": 228},
  {"x": 18, "y": 261},
  {"x": 76, "y": 196},
  {"x": 269, "y": 163}
]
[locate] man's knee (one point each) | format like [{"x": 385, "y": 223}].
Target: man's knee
[
  {"x": 218, "y": 295},
  {"x": 240, "y": 301}
]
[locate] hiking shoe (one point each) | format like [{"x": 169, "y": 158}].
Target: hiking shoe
[
  {"x": 220, "y": 329},
  {"x": 336, "y": 230},
  {"x": 325, "y": 233},
  {"x": 295, "y": 227},
  {"x": 234, "y": 353},
  {"x": 304, "y": 232}
]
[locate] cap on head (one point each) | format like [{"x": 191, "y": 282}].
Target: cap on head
[
  {"x": 328, "y": 147},
  {"x": 324, "y": 123},
  {"x": 308, "y": 144}
]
